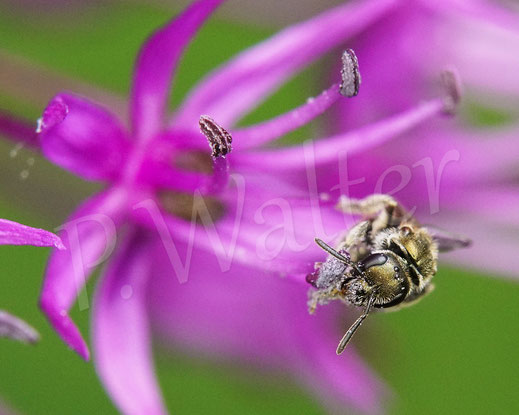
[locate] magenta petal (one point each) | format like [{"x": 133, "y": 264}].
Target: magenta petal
[
  {"x": 487, "y": 215},
  {"x": 487, "y": 236},
  {"x": 12, "y": 233},
  {"x": 292, "y": 340},
  {"x": 239, "y": 86},
  {"x": 18, "y": 130},
  {"x": 345, "y": 376},
  {"x": 478, "y": 46},
  {"x": 82, "y": 137},
  {"x": 493, "y": 204},
  {"x": 89, "y": 236},
  {"x": 122, "y": 339},
  {"x": 156, "y": 63},
  {"x": 258, "y": 134},
  {"x": 260, "y": 230}
]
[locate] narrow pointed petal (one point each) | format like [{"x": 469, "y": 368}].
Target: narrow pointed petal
[
  {"x": 17, "y": 329},
  {"x": 480, "y": 50},
  {"x": 236, "y": 88},
  {"x": 494, "y": 247},
  {"x": 461, "y": 162},
  {"x": 293, "y": 340},
  {"x": 360, "y": 386},
  {"x": 18, "y": 130},
  {"x": 121, "y": 334},
  {"x": 486, "y": 214},
  {"x": 89, "y": 236},
  {"x": 156, "y": 64},
  {"x": 261, "y": 231},
  {"x": 326, "y": 150},
  {"x": 82, "y": 137},
  {"x": 492, "y": 203},
  {"x": 262, "y": 133},
  {"x": 12, "y": 233}
]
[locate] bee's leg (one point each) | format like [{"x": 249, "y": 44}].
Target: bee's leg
[
  {"x": 382, "y": 209},
  {"x": 368, "y": 207},
  {"x": 313, "y": 300},
  {"x": 357, "y": 241}
]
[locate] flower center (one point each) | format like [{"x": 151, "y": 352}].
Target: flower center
[
  {"x": 202, "y": 209},
  {"x": 192, "y": 205},
  {"x": 195, "y": 161},
  {"x": 211, "y": 173}
]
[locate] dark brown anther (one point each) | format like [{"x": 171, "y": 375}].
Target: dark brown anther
[
  {"x": 350, "y": 75},
  {"x": 219, "y": 139}
]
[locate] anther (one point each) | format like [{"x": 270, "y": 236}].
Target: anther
[
  {"x": 350, "y": 75},
  {"x": 54, "y": 113},
  {"x": 451, "y": 84},
  {"x": 219, "y": 139}
]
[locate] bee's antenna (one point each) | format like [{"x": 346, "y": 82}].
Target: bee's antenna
[
  {"x": 336, "y": 254},
  {"x": 351, "y": 331},
  {"x": 332, "y": 251}
]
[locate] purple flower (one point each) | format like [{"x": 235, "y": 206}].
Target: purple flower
[
  {"x": 12, "y": 233},
  {"x": 234, "y": 225}
]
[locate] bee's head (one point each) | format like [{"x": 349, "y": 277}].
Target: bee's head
[
  {"x": 385, "y": 273},
  {"x": 382, "y": 273}
]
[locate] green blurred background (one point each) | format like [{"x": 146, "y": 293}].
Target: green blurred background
[{"x": 455, "y": 352}]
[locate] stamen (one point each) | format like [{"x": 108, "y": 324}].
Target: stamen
[
  {"x": 219, "y": 139},
  {"x": 451, "y": 84},
  {"x": 257, "y": 134},
  {"x": 326, "y": 150},
  {"x": 18, "y": 130},
  {"x": 54, "y": 113},
  {"x": 220, "y": 176},
  {"x": 350, "y": 74}
]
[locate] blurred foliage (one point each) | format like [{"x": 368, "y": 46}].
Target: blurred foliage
[
  {"x": 486, "y": 116},
  {"x": 455, "y": 352}
]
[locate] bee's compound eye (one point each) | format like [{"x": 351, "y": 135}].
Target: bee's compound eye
[{"x": 374, "y": 260}]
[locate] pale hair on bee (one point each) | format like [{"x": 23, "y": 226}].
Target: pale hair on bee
[{"x": 387, "y": 260}]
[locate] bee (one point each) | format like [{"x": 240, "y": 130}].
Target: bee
[{"x": 387, "y": 260}]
